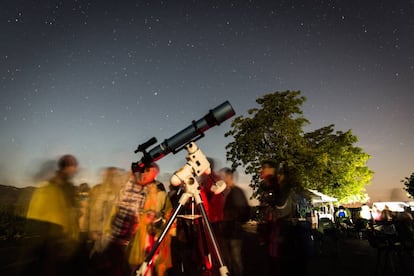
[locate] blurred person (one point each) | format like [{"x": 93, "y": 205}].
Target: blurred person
[
  {"x": 362, "y": 220},
  {"x": 287, "y": 219},
  {"x": 343, "y": 219},
  {"x": 102, "y": 202},
  {"x": 191, "y": 245},
  {"x": 376, "y": 214},
  {"x": 386, "y": 223},
  {"x": 141, "y": 210},
  {"x": 365, "y": 212},
  {"x": 405, "y": 228},
  {"x": 407, "y": 215},
  {"x": 53, "y": 215},
  {"x": 82, "y": 203},
  {"x": 187, "y": 243},
  {"x": 155, "y": 211},
  {"x": 236, "y": 212},
  {"x": 386, "y": 214},
  {"x": 214, "y": 203},
  {"x": 82, "y": 198},
  {"x": 342, "y": 213},
  {"x": 103, "y": 198}
]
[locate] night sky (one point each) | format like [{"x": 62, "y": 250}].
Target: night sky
[{"x": 97, "y": 78}]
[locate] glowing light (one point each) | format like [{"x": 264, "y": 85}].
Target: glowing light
[{"x": 394, "y": 206}]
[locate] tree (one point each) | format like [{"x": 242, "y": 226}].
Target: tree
[
  {"x": 409, "y": 185},
  {"x": 338, "y": 168},
  {"x": 274, "y": 132},
  {"x": 323, "y": 159}
]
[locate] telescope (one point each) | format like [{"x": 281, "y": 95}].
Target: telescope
[{"x": 177, "y": 142}]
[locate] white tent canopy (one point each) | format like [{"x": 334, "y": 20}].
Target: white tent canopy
[
  {"x": 318, "y": 197},
  {"x": 324, "y": 205}
]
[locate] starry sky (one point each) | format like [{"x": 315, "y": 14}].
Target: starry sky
[{"x": 97, "y": 78}]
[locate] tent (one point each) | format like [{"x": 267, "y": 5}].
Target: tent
[
  {"x": 318, "y": 197},
  {"x": 323, "y": 205}
]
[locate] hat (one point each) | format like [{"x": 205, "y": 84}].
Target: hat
[
  {"x": 66, "y": 161},
  {"x": 151, "y": 165}
]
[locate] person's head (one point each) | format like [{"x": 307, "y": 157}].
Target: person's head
[
  {"x": 285, "y": 176},
  {"x": 68, "y": 165},
  {"x": 227, "y": 175},
  {"x": 212, "y": 163},
  {"x": 148, "y": 174},
  {"x": 114, "y": 177},
  {"x": 84, "y": 189},
  {"x": 268, "y": 169}
]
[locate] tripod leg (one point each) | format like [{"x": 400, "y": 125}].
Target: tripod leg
[
  {"x": 223, "y": 269},
  {"x": 203, "y": 247},
  {"x": 148, "y": 260}
]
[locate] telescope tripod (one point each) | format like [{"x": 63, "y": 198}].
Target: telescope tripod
[{"x": 192, "y": 190}]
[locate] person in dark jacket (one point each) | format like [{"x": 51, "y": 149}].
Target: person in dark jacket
[
  {"x": 236, "y": 212},
  {"x": 287, "y": 218}
]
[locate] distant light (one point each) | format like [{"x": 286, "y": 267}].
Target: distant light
[{"x": 394, "y": 206}]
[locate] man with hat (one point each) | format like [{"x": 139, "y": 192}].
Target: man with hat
[{"x": 142, "y": 208}]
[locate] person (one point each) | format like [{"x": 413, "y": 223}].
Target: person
[
  {"x": 343, "y": 219},
  {"x": 365, "y": 212},
  {"x": 387, "y": 222},
  {"x": 53, "y": 215},
  {"x": 287, "y": 219},
  {"x": 386, "y": 214},
  {"x": 82, "y": 199},
  {"x": 213, "y": 200},
  {"x": 191, "y": 250},
  {"x": 362, "y": 220},
  {"x": 405, "y": 228},
  {"x": 407, "y": 215},
  {"x": 188, "y": 243},
  {"x": 142, "y": 208},
  {"x": 236, "y": 212},
  {"x": 82, "y": 202},
  {"x": 102, "y": 200}
]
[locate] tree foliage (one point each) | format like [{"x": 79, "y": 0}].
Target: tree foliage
[
  {"x": 409, "y": 185},
  {"x": 323, "y": 159},
  {"x": 339, "y": 167},
  {"x": 273, "y": 132}
]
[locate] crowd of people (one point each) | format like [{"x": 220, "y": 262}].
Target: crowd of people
[
  {"x": 387, "y": 226},
  {"x": 111, "y": 227}
]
